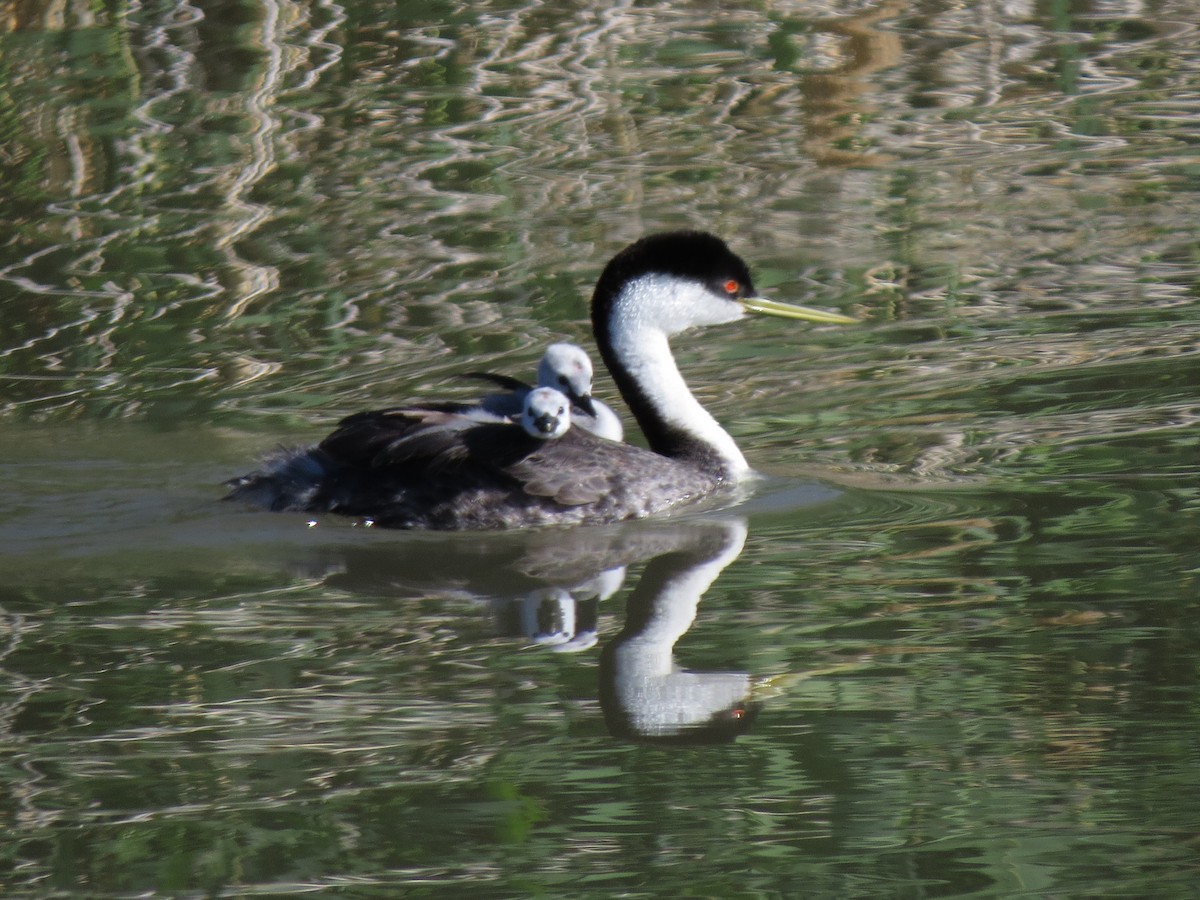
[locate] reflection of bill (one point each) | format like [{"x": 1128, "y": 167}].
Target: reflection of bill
[{"x": 644, "y": 695}]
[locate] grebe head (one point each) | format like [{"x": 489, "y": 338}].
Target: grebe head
[
  {"x": 547, "y": 414},
  {"x": 677, "y": 280},
  {"x": 656, "y": 288},
  {"x": 567, "y": 368}
]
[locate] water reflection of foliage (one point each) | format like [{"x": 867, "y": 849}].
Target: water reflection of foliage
[
  {"x": 272, "y": 718},
  {"x": 1000, "y": 675},
  {"x": 256, "y": 193},
  {"x": 1025, "y": 638}
]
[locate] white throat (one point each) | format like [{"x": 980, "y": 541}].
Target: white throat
[{"x": 649, "y": 310}]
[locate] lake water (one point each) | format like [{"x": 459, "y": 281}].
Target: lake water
[{"x": 950, "y": 647}]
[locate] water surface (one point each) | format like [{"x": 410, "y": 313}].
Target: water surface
[{"x": 948, "y": 648}]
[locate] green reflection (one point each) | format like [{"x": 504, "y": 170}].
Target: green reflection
[{"x": 222, "y": 223}]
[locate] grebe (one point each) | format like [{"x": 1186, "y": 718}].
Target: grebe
[
  {"x": 425, "y": 467},
  {"x": 546, "y": 414},
  {"x": 567, "y": 368}
]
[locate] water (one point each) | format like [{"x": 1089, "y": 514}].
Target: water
[{"x": 949, "y": 647}]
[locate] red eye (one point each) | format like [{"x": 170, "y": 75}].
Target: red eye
[{"x": 731, "y": 287}]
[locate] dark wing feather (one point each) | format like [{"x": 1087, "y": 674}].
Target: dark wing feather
[
  {"x": 578, "y": 468},
  {"x": 359, "y": 438},
  {"x": 428, "y": 438}
]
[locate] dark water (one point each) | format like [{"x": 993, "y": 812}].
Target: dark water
[{"x": 948, "y": 648}]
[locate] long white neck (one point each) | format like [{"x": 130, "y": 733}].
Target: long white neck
[
  {"x": 661, "y": 400},
  {"x": 658, "y": 697},
  {"x": 673, "y": 609}
]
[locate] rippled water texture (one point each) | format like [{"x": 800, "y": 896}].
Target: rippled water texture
[{"x": 948, "y": 648}]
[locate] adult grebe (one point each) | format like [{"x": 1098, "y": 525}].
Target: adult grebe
[
  {"x": 566, "y": 368},
  {"x": 546, "y": 414},
  {"x": 426, "y": 467}
]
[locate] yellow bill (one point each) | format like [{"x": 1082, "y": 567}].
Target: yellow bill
[{"x": 791, "y": 311}]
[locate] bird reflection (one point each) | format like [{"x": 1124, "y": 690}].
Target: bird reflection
[
  {"x": 644, "y": 694},
  {"x": 564, "y": 620},
  {"x": 544, "y": 585},
  {"x": 548, "y": 587}
]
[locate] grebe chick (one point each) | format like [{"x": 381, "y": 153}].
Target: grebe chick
[
  {"x": 546, "y": 414},
  {"x": 567, "y": 368}
]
